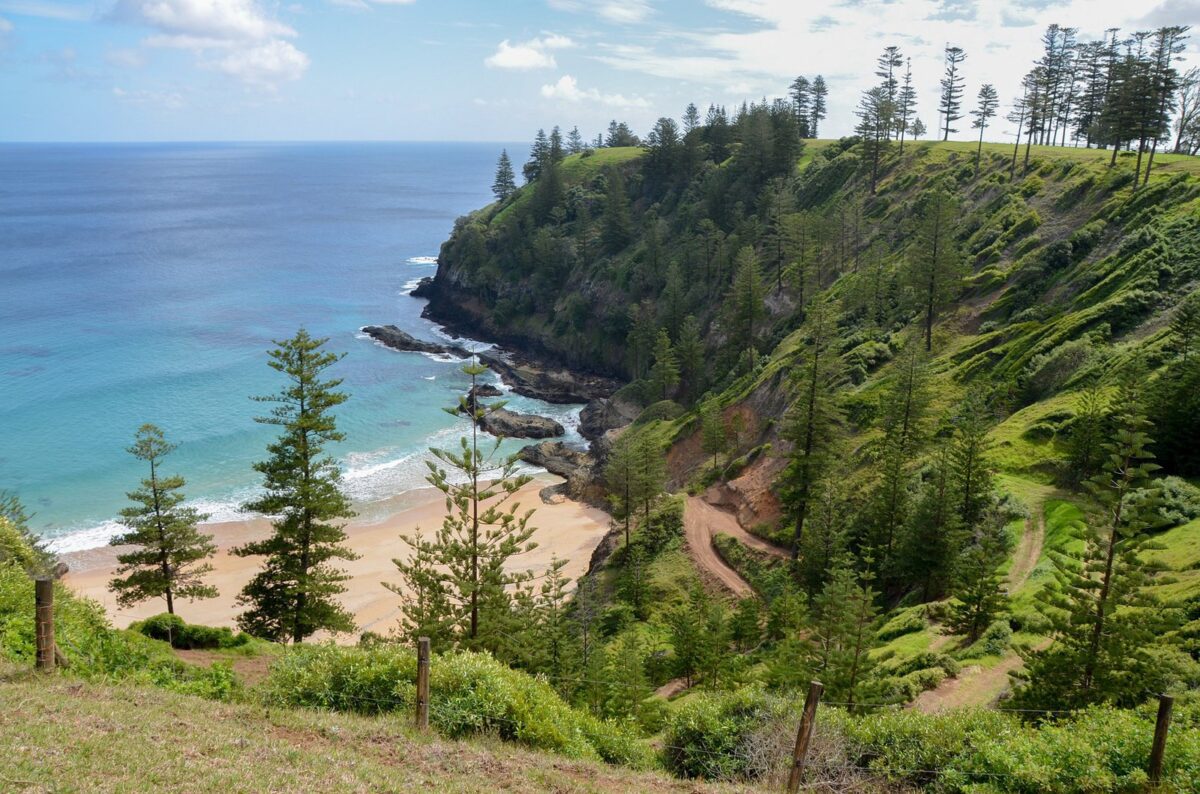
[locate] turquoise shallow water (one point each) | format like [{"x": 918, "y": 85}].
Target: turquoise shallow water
[{"x": 144, "y": 283}]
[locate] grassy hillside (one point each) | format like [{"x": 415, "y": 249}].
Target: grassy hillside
[
  {"x": 59, "y": 734},
  {"x": 1069, "y": 275}
]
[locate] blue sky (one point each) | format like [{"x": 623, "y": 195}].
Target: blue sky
[{"x": 495, "y": 70}]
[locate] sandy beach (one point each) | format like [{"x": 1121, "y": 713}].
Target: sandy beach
[{"x": 566, "y": 529}]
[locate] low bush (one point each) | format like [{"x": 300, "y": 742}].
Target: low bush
[
  {"x": 470, "y": 694},
  {"x": 173, "y": 630},
  {"x": 1177, "y": 502},
  {"x": 664, "y": 527},
  {"x": 663, "y": 410},
  {"x": 716, "y": 735},
  {"x": 1048, "y": 372},
  {"x": 764, "y": 573},
  {"x": 747, "y": 735},
  {"x": 994, "y": 641},
  {"x": 903, "y": 622},
  {"x": 93, "y": 649}
]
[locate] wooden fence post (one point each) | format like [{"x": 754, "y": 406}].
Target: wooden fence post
[
  {"x": 43, "y": 590},
  {"x": 804, "y": 735},
  {"x": 1158, "y": 749},
  {"x": 423, "y": 683}
]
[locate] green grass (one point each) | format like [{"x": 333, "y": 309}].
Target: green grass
[
  {"x": 1063, "y": 520},
  {"x": 1097, "y": 159},
  {"x": 907, "y": 645},
  {"x": 577, "y": 167},
  {"x": 58, "y": 734},
  {"x": 1018, "y": 450},
  {"x": 1182, "y": 555}
]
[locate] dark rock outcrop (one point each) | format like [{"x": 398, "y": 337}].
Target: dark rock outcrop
[
  {"x": 393, "y": 337},
  {"x": 509, "y": 424},
  {"x": 545, "y": 381},
  {"x": 481, "y": 391},
  {"x": 606, "y": 413},
  {"x": 575, "y": 466},
  {"x": 527, "y": 376},
  {"x": 557, "y": 458},
  {"x": 423, "y": 289}
]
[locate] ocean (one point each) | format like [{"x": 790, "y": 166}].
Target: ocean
[{"x": 146, "y": 282}]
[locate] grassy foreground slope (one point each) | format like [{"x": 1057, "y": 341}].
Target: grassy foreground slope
[{"x": 59, "y": 734}]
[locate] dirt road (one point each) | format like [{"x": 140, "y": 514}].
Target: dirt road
[{"x": 701, "y": 521}]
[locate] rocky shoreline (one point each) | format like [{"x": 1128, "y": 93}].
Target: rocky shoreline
[
  {"x": 529, "y": 370},
  {"x": 527, "y": 375}
]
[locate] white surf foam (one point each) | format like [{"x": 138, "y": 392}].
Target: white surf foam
[{"x": 422, "y": 260}]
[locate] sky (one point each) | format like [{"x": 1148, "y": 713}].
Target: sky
[{"x": 490, "y": 70}]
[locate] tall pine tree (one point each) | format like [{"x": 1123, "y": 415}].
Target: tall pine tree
[
  {"x": 505, "y": 183},
  {"x": 950, "y": 104},
  {"x": 988, "y": 101},
  {"x": 169, "y": 558},
  {"x": 935, "y": 269},
  {"x": 1106, "y": 624},
  {"x": 294, "y": 595},
  {"x": 813, "y": 417}
]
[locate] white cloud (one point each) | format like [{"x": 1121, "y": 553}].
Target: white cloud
[
  {"x": 519, "y": 56},
  {"x": 626, "y": 12},
  {"x": 70, "y": 12},
  {"x": 5, "y": 25},
  {"x": 362, "y": 5},
  {"x": 171, "y": 100},
  {"x": 252, "y": 43},
  {"x": 532, "y": 54},
  {"x": 265, "y": 65},
  {"x": 567, "y": 89},
  {"x": 215, "y": 19},
  {"x": 179, "y": 41},
  {"x": 1174, "y": 12}
]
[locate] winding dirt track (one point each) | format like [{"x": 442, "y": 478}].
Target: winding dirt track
[
  {"x": 1027, "y": 553},
  {"x": 977, "y": 686},
  {"x": 701, "y": 521}
]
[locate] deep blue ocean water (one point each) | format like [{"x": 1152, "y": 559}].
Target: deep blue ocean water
[{"x": 145, "y": 283}]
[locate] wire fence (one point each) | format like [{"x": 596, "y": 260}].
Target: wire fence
[{"x": 764, "y": 753}]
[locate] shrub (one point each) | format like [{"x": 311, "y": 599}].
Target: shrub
[
  {"x": 663, "y": 410},
  {"x": 924, "y": 661},
  {"x": 903, "y": 622},
  {"x": 665, "y": 525},
  {"x": 995, "y": 639},
  {"x": 470, "y": 694},
  {"x": 1117, "y": 179},
  {"x": 18, "y": 547},
  {"x": 903, "y": 745},
  {"x": 93, "y": 649},
  {"x": 1178, "y": 502},
  {"x": 1046, "y": 373},
  {"x": 1084, "y": 239},
  {"x": 712, "y": 735},
  {"x": 173, "y": 630},
  {"x": 1031, "y": 187}
]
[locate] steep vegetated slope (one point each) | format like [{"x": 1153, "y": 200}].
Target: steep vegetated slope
[{"x": 906, "y": 384}]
